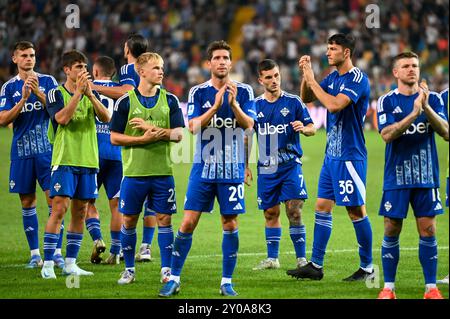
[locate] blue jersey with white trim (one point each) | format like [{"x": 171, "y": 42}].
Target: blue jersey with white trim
[
  {"x": 444, "y": 96},
  {"x": 345, "y": 129},
  {"x": 219, "y": 154},
  {"x": 105, "y": 149},
  {"x": 30, "y": 127},
  {"x": 411, "y": 160},
  {"x": 128, "y": 75},
  {"x": 278, "y": 143}
]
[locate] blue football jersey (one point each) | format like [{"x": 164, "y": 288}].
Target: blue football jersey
[
  {"x": 345, "y": 129},
  {"x": 278, "y": 143},
  {"x": 30, "y": 127},
  {"x": 411, "y": 160},
  {"x": 444, "y": 96},
  {"x": 219, "y": 154},
  {"x": 128, "y": 75},
  {"x": 105, "y": 149}
]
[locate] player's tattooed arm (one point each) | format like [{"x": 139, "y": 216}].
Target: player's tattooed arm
[
  {"x": 394, "y": 131},
  {"x": 438, "y": 124}
]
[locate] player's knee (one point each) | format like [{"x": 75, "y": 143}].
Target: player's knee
[
  {"x": 294, "y": 216},
  {"x": 392, "y": 227},
  {"x": 229, "y": 223},
  {"x": 130, "y": 221},
  {"x": 188, "y": 226},
  {"x": 271, "y": 214},
  {"x": 355, "y": 212},
  {"x": 28, "y": 200},
  {"x": 164, "y": 220}
]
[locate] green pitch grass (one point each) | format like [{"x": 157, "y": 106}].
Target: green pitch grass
[{"x": 202, "y": 271}]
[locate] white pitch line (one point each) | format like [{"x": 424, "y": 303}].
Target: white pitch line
[{"x": 336, "y": 251}]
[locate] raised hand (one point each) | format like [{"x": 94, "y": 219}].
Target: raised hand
[
  {"x": 82, "y": 82},
  {"x": 26, "y": 90},
  {"x": 33, "y": 83},
  {"x": 304, "y": 60},
  {"x": 308, "y": 73},
  {"x": 232, "y": 93},
  {"x": 418, "y": 103},
  {"x": 218, "y": 101},
  {"x": 424, "y": 86}
]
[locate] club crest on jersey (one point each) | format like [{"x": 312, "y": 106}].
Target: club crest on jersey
[{"x": 284, "y": 112}]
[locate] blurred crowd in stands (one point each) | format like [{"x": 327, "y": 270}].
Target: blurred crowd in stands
[{"x": 282, "y": 30}]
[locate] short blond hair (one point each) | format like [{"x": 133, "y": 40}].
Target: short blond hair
[{"x": 147, "y": 57}]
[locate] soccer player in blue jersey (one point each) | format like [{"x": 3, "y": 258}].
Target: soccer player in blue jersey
[
  {"x": 408, "y": 117},
  {"x": 72, "y": 107},
  {"x": 444, "y": 96},
  {"x": 145, "y": 122},
  {"x": 345, "y": 94},
  {"x": 110, "y": 173},
  {"x": 219, "y": 110},
  {"x": 22, "y": 103},
  {"x": 281, "y": 118},
  {"x": 135, "y": 45}
]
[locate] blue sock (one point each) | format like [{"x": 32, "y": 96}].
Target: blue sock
[
  {"x": 390, "y": 255},
  {"x": 73, "y": 244},
  {"x": 147, "y": 237},
  {"x": 165, "y": 242},
  {"x": 115, "y": 242},
  {"x": 30, "y": 226},
  {"x": 93, "y": 227},
  {"x": 50, "y": 241},
  {"x": 230, "y": 247},
  {"x": 322, "y": 232},
  {"x": 273, "y": 236},
  {"x": 363, "y": 232},
  {"x": 298, "y": 237},
  {"x": 128, "y": 241},
  {"x": 181, "y": 247},
  {"x": 61, "y": 230},
  {"x": 428, "y": 255}
]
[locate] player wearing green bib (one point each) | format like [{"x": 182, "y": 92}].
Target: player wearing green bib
[
  {"x": 145, "y": 122},
  {"x": 72, "y": 108}
]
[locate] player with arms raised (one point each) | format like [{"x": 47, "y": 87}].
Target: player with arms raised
[{"x": 345, "y": 93}]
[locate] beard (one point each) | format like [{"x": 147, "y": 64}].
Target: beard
[{"x": 220, "y": 75}]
